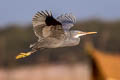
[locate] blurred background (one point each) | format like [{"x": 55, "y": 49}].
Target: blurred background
[{"x": 69, "y": 63}]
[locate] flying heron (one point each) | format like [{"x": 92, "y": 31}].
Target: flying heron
[{"x": 53, "y": 33}]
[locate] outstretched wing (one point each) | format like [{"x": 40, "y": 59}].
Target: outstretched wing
[
  {"x": 45, "y": 25},
  {"x": 67, "y": 20}
]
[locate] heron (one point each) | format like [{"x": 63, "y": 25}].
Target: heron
[{"x": 53, "y": 32}]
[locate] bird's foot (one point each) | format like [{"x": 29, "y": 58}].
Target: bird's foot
[{"x": 22, "y": 55}]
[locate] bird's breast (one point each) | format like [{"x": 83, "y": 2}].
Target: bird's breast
[{"x": 54, "y": 43}]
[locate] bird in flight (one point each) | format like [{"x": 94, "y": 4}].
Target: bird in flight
[{"x": 53, "y": 33}]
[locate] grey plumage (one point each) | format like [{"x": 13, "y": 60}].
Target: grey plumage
[
  {"x": 48, "y": 30},
  {"x": 53, "y": 33},
  {"x": 67, "y": 20}
]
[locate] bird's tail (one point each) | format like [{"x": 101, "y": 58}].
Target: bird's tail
[{"x": 22, "y": 55}]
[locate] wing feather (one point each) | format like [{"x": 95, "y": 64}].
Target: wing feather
[
  {"x": 45, "y": 25},
  {"x": 67, "y": 20}
]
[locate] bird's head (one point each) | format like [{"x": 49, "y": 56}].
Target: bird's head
[{"x": 77, "y": 33}]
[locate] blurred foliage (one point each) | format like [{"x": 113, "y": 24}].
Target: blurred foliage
[{"x": 16, "y": 38}]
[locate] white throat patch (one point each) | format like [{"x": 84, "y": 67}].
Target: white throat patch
[{"x": 78, "y": 35}]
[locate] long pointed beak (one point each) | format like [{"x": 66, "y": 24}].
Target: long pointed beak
[
  {"x": 89, "y": 33},
  {"x": 86, "y": 33}
]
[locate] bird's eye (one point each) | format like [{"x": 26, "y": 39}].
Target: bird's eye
[{"x": 79, "y": 32}]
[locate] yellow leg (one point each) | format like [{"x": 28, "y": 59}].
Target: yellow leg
[{"x": 22, "y": 55}]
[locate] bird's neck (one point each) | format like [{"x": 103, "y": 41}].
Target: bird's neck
[{"x": 71, "y": 40}]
